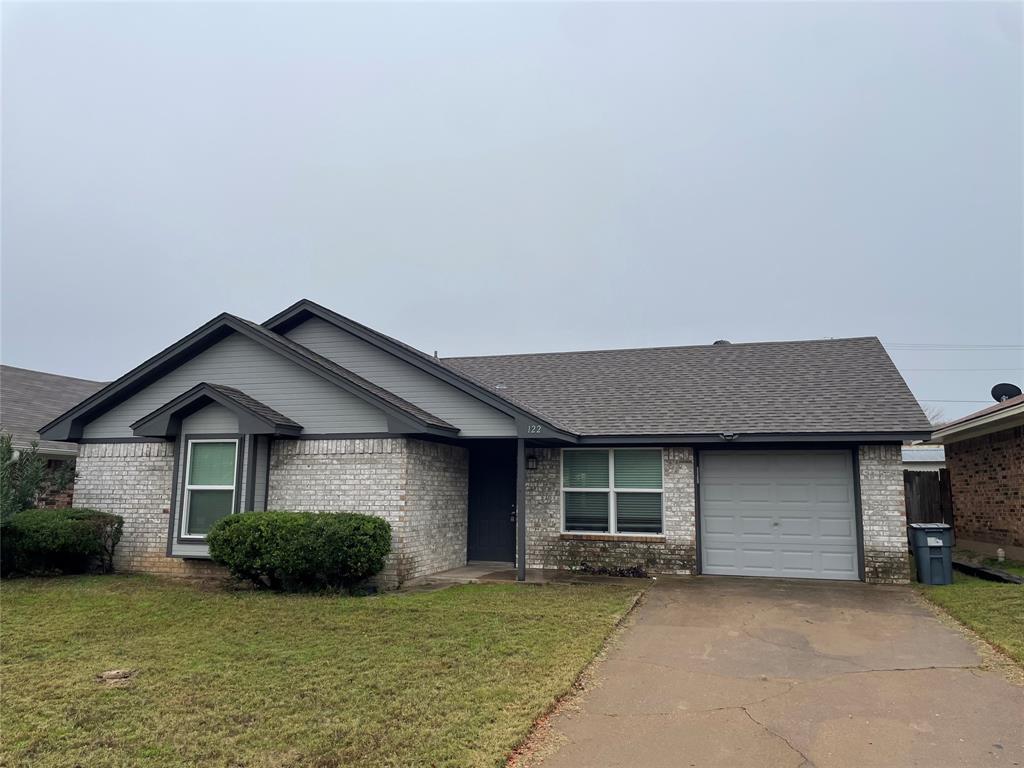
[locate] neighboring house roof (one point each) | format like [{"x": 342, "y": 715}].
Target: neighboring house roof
[
  {"x": 69, "y": 424},
  {"x": 925, "y": 454},
  {"x": 30, "y": 398},
  {"x": 254, "y": 417},
  {"x": 830, "y": 386},
  {"x": 997, "y": 417}
]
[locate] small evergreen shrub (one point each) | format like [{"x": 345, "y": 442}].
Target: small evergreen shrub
[
  {"x": 25, "y": 478},
  {"x": 37, "y": 541},
  {"x": 298, "y": 551}
]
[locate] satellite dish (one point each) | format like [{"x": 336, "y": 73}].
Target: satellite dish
[{"x": 1002, "y": 392}]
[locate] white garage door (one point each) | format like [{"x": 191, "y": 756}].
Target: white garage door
[{"x": 778, "y": 513}]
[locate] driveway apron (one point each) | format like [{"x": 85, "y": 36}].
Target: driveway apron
[{"x": 735, "y": 672}]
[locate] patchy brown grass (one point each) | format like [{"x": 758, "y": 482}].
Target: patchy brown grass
[{"x": 217, "y": 678}]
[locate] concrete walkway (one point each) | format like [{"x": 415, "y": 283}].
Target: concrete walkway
[
  {"x": 498, "y": 573},
  {"x": 757, "y": 672}
]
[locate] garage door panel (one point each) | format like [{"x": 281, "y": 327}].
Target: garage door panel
[
  {"x": 762, "y": 559},
  {"x": 836, "y": 528},
  {"x": 715, "y": 492},
  {"x": 756, "y": 526},
  {"x": 791, "y": 493},
  {"x": 744, "y": 466},
  {"x": 755, "y": 493},
  {"x": 833, "y": 493},
  {"x": 798, "y": 561},
  {"x": 797, "y": 526},
  {"x": 719, "y": 557},
  {"x": 830, "y": 464},
  {"x": 713, "y": 525},
  {"x": 779, "y": 513},
  {"x": 838, "y": 563}
]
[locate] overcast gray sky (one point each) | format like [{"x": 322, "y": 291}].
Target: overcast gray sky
[{"x": 490, "y": 178}]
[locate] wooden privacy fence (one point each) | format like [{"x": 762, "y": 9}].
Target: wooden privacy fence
[{"x": 928, "y": 497}]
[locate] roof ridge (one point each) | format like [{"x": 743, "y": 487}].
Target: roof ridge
[
  {"x": 355, "y": 378},
  {"x": 666, "y": 347},
  {"x": 236, "y": 397},
  {"x": 248, "y": 401},
  {"x": 430, "y": 359}
]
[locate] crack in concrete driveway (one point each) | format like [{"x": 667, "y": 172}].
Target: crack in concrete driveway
[{"x": 756, "y": 672}]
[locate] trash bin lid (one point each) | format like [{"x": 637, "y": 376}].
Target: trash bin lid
[{"x": 931, "y": 526}]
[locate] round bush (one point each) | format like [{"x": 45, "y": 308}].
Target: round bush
[
  {"x": 297, "y": 551},
  {"x": 65, "y": 540}
]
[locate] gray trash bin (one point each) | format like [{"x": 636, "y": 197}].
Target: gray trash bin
[{"x": 933, "y": 552}]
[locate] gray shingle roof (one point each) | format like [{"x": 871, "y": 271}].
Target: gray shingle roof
[
  {"x": 254, "y": 406},
  {"x": 235, "y": 399},
  {"x": 30, "y": 399},
  {"x": 794, "y": 387},
  {"x": 994, "y": 408}
]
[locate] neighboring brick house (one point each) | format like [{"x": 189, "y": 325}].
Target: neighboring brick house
[
  {"x": 770, "y": 459},
  {"x": 985, "y": 460},
  {"x": 29, "y": 399}
]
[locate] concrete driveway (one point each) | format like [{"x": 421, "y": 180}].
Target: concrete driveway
[{"x": 757, "y": 672}]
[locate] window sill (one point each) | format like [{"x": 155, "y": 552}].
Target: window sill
[{"x": 643, "y": 538}]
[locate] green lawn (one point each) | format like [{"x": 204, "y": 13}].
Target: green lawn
[
  {"x": 448, "y": 678},
  {"x": 993, "y": 610}
]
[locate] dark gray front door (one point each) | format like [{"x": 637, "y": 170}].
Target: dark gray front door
[{"x": 492, "y": 501}]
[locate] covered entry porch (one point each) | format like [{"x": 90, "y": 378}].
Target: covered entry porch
[{"x": 496, "y": 525}]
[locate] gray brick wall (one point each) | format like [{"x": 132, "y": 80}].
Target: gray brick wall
[
  {"x": 884, "y": 515},
  {"x": 365, "y": 476},
  {"x": 420, "y": 488},
  {"x": 437, "y": 494},
  {"x": 134, "y": 480},
  {"x": 673, "y": 553}
]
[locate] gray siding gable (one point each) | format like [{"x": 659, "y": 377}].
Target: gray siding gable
[
  {"x": 473, "y": 417},
  {"x": 213, "y": 419},
  {"x": 315, "y": 403}
]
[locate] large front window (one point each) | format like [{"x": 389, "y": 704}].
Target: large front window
[
  {"x": 209, "y": 485},
  {"x": 612, "y": 490}
]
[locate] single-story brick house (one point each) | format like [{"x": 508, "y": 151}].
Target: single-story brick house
[
  {"x": 766, "y": 459},
  {"x": 985, "y": 460}
]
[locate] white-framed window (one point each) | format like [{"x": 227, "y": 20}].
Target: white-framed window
[
  {"x": 612, "y": 490},
  {"x": 210, "y": 470}
]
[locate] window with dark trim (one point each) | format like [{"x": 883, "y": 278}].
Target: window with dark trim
[
  {"x": 210, "y": 485},
  {"x": 615, "y": 490}
]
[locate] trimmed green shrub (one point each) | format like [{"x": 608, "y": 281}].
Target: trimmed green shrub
[
  {"x": 297, "y": 551},
  {"x": 64, "y": 540}
]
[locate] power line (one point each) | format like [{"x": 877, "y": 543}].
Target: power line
[
  {"x": 933, "y": 400},
  {"x": 951, "y": 347},
  {"x": 987, "y": 370}
]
